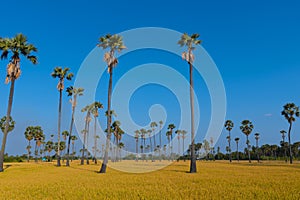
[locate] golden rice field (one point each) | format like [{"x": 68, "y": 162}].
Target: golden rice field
[{"x": 214, "y": 180}]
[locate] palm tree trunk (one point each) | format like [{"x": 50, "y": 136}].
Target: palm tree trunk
[
  {"x": 290, "y": 146},
  {"x": 183, "y": 147},
  {"x": 151, "y": 149},
  {"x": 9, "y": 108},
  {"x": 257, "y": 153},
  {"x": 58, "y": 129},
  {"x": 193, "y": 167},
  {"x": 84, "y": 141},
  {"x": 137, "y": 149},
  {"x": 70, "y": 136},
  {"x": 105, "y": 159},
  {"x": 28, "y": 156},
  {"x": 179, "y": 146}
]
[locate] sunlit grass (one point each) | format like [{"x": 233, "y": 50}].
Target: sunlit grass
[{"x": 214, "y": 180}]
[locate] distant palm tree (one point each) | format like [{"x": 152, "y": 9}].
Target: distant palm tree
[
  {"x": 73, "y": 93},
  {"x": 143, "y": 137},
  {"x": 151, "y": 149},
  {"x": 136, "y": 137},
  {"x": 61, "y": 74},
  {"x": 257, "y": 150},
  {"x": 17, "y": 46},
  {"x": 153, "y": 125},
  {"x": 29, "y": 136},
  {"x": 237, "y": 148},
  {"x": 85, "y": 133},
  {"x": 160, "y": 147},
  {"x": 178, "y": 133},
  {"x": 95, "y": 111},
  {"x": 183, "y": 133},
  {"x": 171, "y": 127},
  {"x": 247, "y": 127},
  {"x": 190, "y": 42},
  {"x": 73, "y": 138},
  {"x": 65, "y": 134},
  {"x": 39, "y": 137},
  {"x": 113, "y": 43},
  {"x": 229, "y": 125},
  {"x": 283, "y": 132},
  {"x": 290, "y": 111}
]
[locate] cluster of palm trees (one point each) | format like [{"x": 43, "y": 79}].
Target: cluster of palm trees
[
  {"x": 143, "y": 134},
  {"x": 290, "y": 112}
]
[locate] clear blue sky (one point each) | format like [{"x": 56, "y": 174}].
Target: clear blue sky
[{"x": 255, "y": 45}]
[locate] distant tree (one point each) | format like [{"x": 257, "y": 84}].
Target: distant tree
[
  {"x": 170, "y": 128},
  {"x": 247, "y": 127},
  {"x": 73, "y": 93},
  {"x": 29, "y": 135},
  {"x": 290, "y": 112},
  {"x": 283, "y": 132},
  {"x": 85, "y": 133},
  {"x": 39, "y": 137},
  {"x": 94, "y": 107},
  {"x": 229, "y": 125},
  {"x": 61, "y": 74},
  {"x": 183, "y": 133},
  {"x": 237, "y": 147},
  {"x": 257, "y": 150},
  {"x": 17, "y": 46},
  {"x": 136, "y": 137},
  {"x": 178, "y": 133},
  {"x": 153, "y": 126},
  {"x": 160, "y": 128},
  {"x": 206, "y": 147}
]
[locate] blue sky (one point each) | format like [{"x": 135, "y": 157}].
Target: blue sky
[{"x": 254, "y": 44}]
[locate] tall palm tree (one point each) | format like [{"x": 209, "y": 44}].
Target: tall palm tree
[
  {"x": 73, "y": 93},
  {"x": 149, "y": 135},
  {"x": 171, "y": 127},
  {"x": 247, "y": 127},
  {"x": 29, "y": 136},
  {"x": 85, "y": 133},
  {"x": 153, "y": 125},
  {"x": 160, "y": 147},
  {"x": 168, "y": 134},
  {"x": 290, "y": 112},
  {"x": 143, "y": 137},
  {"x": 237, "y": 148},
  {"x": 136, "y": 137},
  {"x": 113, "y": 43},
  {"x": 39, "y": 137},
  {"x": 257, "y": 150},
  {"x": 118, "y": 132},
  {"x": 73, "y": 138},
  {"x": 190, "y": 42},
  {"x": 183, "y": 133},
  {"x": 229, "y": 125},
  {"x": 61, "y": 74},
  {"x": 95, "y": 111},
  {"x": 65, "y": 134},
  {"x": 283, "y": 132},
  {"x": 178, "y": 133},
  {"x": 17, "y": 46}
]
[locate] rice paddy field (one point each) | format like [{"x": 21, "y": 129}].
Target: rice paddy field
[{"x": 214, "y": 180}]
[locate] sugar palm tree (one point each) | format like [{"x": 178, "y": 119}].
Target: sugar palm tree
[
  {"x": 283, "y": 132},
  {"x": 95, "y": 111},
  {"x": 160, "y": 147},
  {"x": 237, "y": 148},
  {"x": 85, "y": 133},
  {"x": 65, "y": 134},
  {"x": 143, "y": 137},
  {"x": 183, "y": 133},
  {"x": 61, "y": 74},
  {"x": 113, "y": 43},
  {"x": 153, "y": 126},
  {"x": 29, "y": 136},
  {"x": 38, "y": 137},
  {"x": 257, "y": 150},
  {"x": 190, "y": 42},
  {"x": 73, "y": 138},
  {"x": 168, "y": 134},
  {"x": 73, "y": 93},
  {"x": 136, "y": 137},
  {"x": 149, "y": 135},
  {"x": 290, "y": 112},
  {"x": 171, "y": 127},
  {"x": 229, "y": 125},
  {"x": 17, "y": 46},
  {"x": 178, "y": 133},
  {"x": 247, "y": 127}
]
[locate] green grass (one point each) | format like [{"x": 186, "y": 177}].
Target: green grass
[{"x": 214, "y": 180}]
